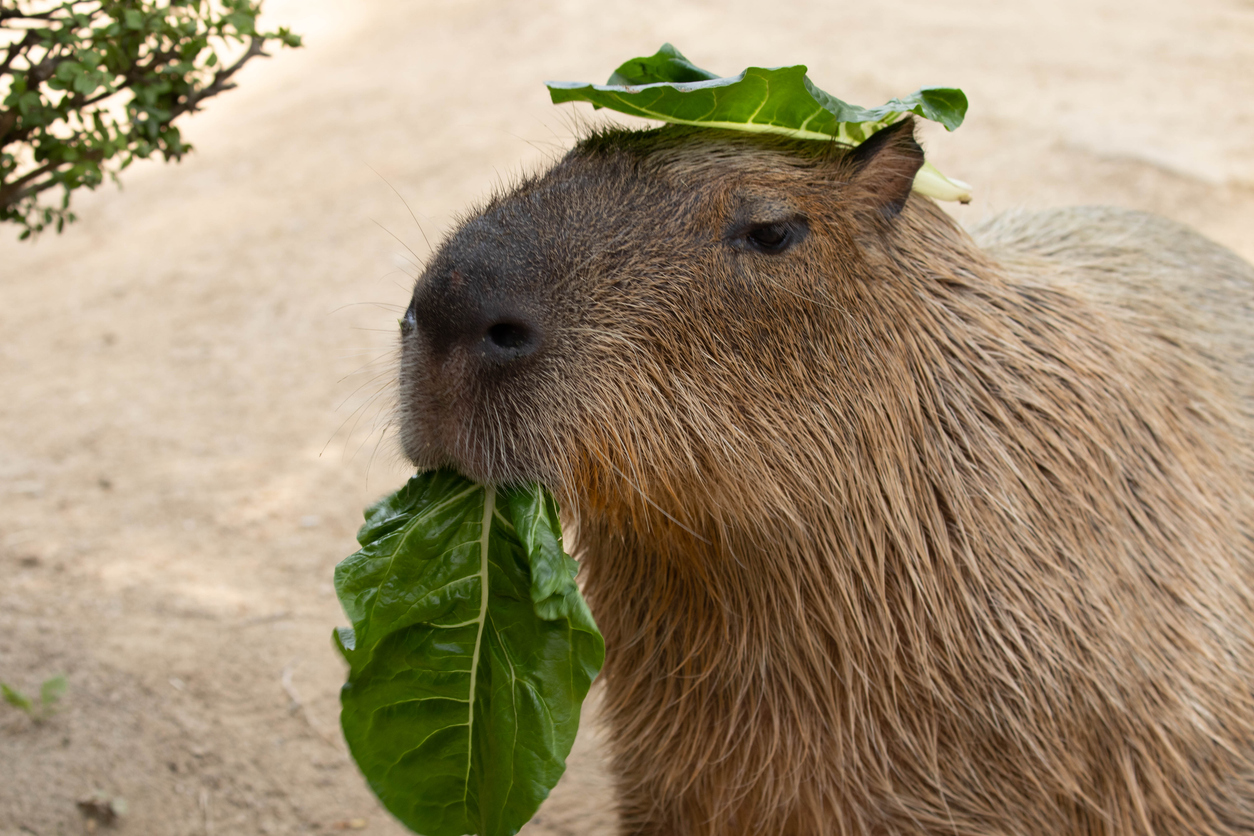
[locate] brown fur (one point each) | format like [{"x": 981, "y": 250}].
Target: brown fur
[{"x": 893, "y": 532}]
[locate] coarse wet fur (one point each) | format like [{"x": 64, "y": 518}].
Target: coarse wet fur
[{"x": 890, "y": 528}]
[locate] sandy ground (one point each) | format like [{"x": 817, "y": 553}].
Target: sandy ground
[{"x": 197, "y": 375}]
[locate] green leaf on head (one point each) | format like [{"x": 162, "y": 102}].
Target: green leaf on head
[{"x": 668, "y": 87}]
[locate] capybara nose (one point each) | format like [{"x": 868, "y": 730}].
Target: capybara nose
[
  {"x": 467, "y": 310},
  {"x": 511, "y": 339}
]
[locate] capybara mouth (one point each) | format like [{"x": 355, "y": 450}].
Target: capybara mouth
[
  {"x": 447, "y": 420},
  {"x": 477, "y": 376}
]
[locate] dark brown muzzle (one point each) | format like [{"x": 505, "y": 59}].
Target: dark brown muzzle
[
  {"x": 469, "y": 311},
  {"x": 473, "y": 347}
]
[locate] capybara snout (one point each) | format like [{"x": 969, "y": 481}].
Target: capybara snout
[
  {"x": 889, "y": 527},
  {"x": 477, "y": 300}
]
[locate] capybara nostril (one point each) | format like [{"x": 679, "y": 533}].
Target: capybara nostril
[
  {"x": 476, "y": 308},
  {"x": 511, "y": 340}
]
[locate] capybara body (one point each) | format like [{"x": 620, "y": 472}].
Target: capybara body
[{"x": 890, "y": 528}]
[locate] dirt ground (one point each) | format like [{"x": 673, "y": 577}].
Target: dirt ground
[{"x": 197, "y": 375}]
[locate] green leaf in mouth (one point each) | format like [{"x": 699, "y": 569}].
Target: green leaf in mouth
[
  {"x": 470, "y": 654},
  {"x": 668, "y": 87}
]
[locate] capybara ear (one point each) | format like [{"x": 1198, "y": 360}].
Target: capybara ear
[{"x": 884, "y": 167}]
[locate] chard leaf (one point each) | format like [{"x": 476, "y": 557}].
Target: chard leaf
[
  {"x": 667, "y": 65},
  {"x": 668, "y": 87},
  {"x": 931, "y": 182},
  {"x": 470, "y": 654}
]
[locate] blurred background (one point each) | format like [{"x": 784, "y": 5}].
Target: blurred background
[{"x": 197, "y": 375}]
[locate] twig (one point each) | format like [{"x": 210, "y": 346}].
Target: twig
[
  {"x": 204, "y": 812},
  {"x": 8, "y": 14},
  {"x": 286, "y": 679},
  {"x": 296, "y": 705},
  {"x": 265, "y": 619},
  {"x": 17, "y": 48},
  {"x": 220, "y": 80}
]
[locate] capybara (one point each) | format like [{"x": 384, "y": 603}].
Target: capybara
[{"x": 891, "y": 528}]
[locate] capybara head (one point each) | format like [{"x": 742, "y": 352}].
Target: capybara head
[
  {"x": 652, "y": 324},
  {"x": 886, "y": 532}
]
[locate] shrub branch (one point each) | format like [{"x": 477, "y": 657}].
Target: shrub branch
[{"x": 89, "y": 86}]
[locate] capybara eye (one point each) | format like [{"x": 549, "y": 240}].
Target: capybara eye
[
  {"x": 773, "y": 238},
  {"x": 770, "y": 238}
]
